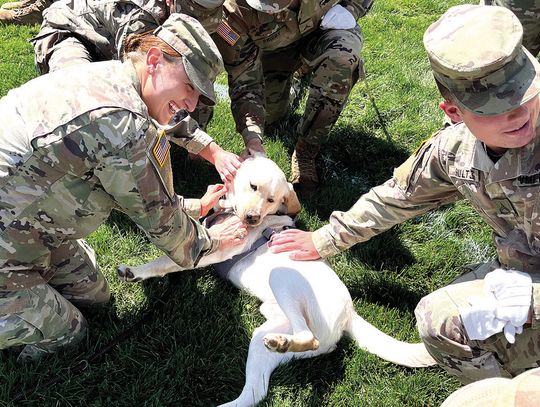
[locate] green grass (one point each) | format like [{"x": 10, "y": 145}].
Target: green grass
[{"x": 191, "y": 346}]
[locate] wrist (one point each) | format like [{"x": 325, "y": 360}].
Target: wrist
[
  {"x": 252, "y": 132},
  {"x": 210, "y": 152}
]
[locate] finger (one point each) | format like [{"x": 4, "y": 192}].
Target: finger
[
  {"x": 237, "y": 162},
  {"x": 301, "y": 255},
  {"x": 280, "y": 240},
  {"x": 282, "y": 248}
]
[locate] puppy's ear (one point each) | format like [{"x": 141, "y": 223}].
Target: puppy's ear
[{"x": 292, "y": 204}]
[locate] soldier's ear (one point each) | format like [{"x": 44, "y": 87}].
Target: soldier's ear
[
  {"x": 153, "y": 56},
  {"x": 451, "y": 110}
]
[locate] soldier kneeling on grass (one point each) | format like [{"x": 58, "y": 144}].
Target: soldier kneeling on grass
[
  {"x": 62, "y": 171},
  {"x": 487, "y": 322}
]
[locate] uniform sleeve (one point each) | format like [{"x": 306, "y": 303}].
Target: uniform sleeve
[
  {"x": 140, "y": 189},
  {"x": 358, "y": 8},
  {"x": 192, "y": 206},
  {"x": 187, "y": 134},
  {"x": 418, "y": 185},
  {"x": 244, "y": 68}
]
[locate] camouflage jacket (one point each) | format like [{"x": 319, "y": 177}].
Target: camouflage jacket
[
  {"x": 242, "y": 36},
  {"x": 64, "y": 166},
  {"x": 102, "y": 25},
  {"x": 453, "y": 165}
]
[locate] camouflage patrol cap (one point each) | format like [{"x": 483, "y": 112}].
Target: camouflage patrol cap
[
  {"x": 476, "y": 52},
  {"x": 269, "y": 6},
  {"x": 200, "y": 56},
  {"x": 521, "y": 391}
]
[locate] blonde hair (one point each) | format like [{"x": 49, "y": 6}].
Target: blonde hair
[{"x": 137, "y": 45}]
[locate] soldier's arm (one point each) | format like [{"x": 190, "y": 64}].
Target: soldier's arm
[
  {"x": 244, "y": 68},
  {"x": 192, "y": 206},
  {"x": 139, "y": 186},
  {"x": 417, "y": 186},
  {"x": 186, "y": 133}
]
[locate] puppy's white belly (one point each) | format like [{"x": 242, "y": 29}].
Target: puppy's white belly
[
  {"x": 321, "y": 296},
  {"x": 253, "y": 273}
]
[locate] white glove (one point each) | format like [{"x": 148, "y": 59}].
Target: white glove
[
  {"x": 505, "y": 306},
  {"x": 338, "y": 18},
  {"x": 479, "y": 318},
  {"x": 513, "y": 291}
]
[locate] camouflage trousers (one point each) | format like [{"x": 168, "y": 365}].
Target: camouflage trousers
[
  {"x": 59, "y": 49},
  {"x": 332, "y": 58},
  {"x": 528, "y": 12},
  {"x": 442, "y": 331},
  {"x": 45, "y": 315}
]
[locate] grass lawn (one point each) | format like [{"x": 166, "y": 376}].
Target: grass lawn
[{"x": 191, "y": 346}]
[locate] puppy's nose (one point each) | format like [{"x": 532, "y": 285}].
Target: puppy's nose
[{"x": 252, "y": 217}]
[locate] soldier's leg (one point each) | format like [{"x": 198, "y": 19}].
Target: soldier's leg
[
  {"x": 39, "y": 317},
  {"x": 442, "y": 331},
  {"x": 28, "y": 13},
  {"x": 16, "y": 4},
  {"x": 77, "y": 277},
  {"x": 528, "y": 13},
  {"x": 55, "y": 50},
  {"x": 68, "y": 52},
  {"x": 334, "y": 58},
  {"x": 279, "y": 68}
]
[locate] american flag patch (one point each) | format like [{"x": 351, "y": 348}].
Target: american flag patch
[
  {"x": 230, "y": 36},
  {"x": 161, "y": 148}
]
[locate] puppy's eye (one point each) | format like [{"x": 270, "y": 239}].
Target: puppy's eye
[
  {"x": 253, "y": 187},
  {"x": 271, "y": 200}
]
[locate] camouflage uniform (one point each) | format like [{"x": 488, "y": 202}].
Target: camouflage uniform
[
  {"x": 528, "y": 12},
  {"x": 80, "y": 31},
  {"x": 452, "y": 165},
  {"x": 61, "y": 173},
  {"x": 262, "y": 51}
]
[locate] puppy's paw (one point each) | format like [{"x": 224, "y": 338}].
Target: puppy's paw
[
  {"x": 125, "y": 273},
  {"x": 276, "y": 343}
]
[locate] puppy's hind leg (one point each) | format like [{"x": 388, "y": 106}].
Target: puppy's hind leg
[
  {"x": 291, "y": 290},
  {"x": 260, "y": 365},
  {"x": 156, "y": 268}
]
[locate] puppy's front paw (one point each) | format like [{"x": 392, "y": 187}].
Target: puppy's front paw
[
  {"x": 276, "y": 343},
  {"x": 125, "y": 273}
]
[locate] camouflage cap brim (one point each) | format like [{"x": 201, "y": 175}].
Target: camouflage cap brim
[
  {"x": 202, "y": 83},
  {"x": 499, "y": 92},
  {"x": 269, "y": 6},
  {"x": 483, "y": 393}
]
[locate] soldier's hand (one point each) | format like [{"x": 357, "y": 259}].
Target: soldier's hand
[
  {"x": 338, "y": 18},
  {"x": 298, "y": 242},
  {"x": 227, "y": 164},
  {"x": 253, "y": 148},
  {"x": 230, "y": 233},
  {"x": 211, "y": 197}
]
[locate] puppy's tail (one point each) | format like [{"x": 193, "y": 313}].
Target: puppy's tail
[{"x": 377, "y": 342}]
